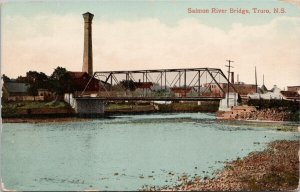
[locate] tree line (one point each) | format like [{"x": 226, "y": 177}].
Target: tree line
[{"x": 39, "y": 80}]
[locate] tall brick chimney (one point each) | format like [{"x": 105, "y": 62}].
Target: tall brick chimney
[
  {"x": 232, "y": 77},
  {"x": 88, "y": 52}
]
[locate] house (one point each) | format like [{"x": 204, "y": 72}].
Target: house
[
  {"x": 143, "y": 85},
  {"x": 200, "y": 91},
  {"x": 263, "y": 89},
  {"x": 294, "y": 89},
  {"x": 241, "y": 88},
  {"x": 48, "y": 95},
  {"x": 82, "y": 81},
  {"x": 16, "y": 89},
  {"x": 290, "y": 95},
  {"x": 274, "y": 93},
  {"x": 181, "y": 91},
  {"x": 244, "y": 89}
]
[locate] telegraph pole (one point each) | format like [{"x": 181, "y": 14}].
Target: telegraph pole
[
  {"x": 229, "y": 66},
  {"x": 255, "y": 80}
]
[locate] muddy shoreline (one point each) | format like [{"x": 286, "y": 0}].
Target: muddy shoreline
[
  {"x": 274, "y": 169},
  {"x": 42, "y": 120},
  {"x": 107, "y": 115}
]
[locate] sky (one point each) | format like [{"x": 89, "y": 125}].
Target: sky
[{"x": 147, "y": 34}]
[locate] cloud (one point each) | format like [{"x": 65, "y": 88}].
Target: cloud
[
  {"x": 294, "y": 2},
  {"x": 44, "y": 42}
]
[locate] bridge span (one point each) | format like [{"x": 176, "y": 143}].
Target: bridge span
[
  {"x": 160, "y": 84},
  {"x": 186, "y": 84},
  {"x": 152, "y": 98}
]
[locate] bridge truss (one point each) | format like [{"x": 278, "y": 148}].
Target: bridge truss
[{"x": 191, "y": 84}]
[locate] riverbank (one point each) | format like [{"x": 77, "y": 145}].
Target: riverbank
[
  {"x": 275, "y": 168},
  {"x": 206, "y": 106},
  {"x": 251, "y": 113},
  {"x": 43, "y": 112},
  {"x": 36, "y": 109},
  {"x": 43, "y": 120}
]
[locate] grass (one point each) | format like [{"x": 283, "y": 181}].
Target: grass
[
  {"x": 19, "y": 109},
  {"x": 127, "y": 106},
  {"x": 33, "y": 105},
  {"x": 13, "y": 108},
  {"x": 118, "y": 106},
  {"x": 205, "y": 107},
  {"x": 191, "y": 107}
]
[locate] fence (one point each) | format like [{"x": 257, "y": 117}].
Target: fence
[{"x": 26, "y": 98}]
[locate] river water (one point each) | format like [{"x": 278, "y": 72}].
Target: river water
[{"x": 126, "y": 152}]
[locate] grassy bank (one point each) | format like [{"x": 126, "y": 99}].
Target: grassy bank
[
  {"x": 40, "y": 111},
  {"x": 189, "y": 107},
  {"x": 128, "y": 108},
  {"x": 173, "y": 107},
  {"x": 36, "y": 108}
]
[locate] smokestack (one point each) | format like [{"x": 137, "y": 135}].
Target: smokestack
[
  {"x": 232, "y": 77},
  {"x": 87, "y": 52}
]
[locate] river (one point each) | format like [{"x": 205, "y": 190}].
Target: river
[{"x": 126, "y": 152}]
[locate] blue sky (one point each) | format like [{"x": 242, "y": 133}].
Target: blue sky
[
  {"x": 168, "y": 12},
  {"x": 41, "y": 35}
]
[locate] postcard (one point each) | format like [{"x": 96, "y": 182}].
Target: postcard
[{"x": 144, "y": 95}]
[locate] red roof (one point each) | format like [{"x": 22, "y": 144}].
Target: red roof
[
  {"x": 76, "y": 75},
  {"x": 181, "y": 89},
  {"x": 146, "y": 85},
  {"x": 82, "y": 80}
]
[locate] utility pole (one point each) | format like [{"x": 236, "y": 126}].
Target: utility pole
[
  {"x": 255, "y": 80},
  {"x": 229, "y": 66}
]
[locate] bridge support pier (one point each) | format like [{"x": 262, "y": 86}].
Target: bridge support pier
[
  {"x": 89, "y": 107},
  {"x": 233, "y": 101}
]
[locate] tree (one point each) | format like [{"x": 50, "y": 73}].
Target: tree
[
  {"x": 35, "y": 80},
  {"x": 5, "y": 78},
  {"x": 128, "y": 85},
  {"x": 58, "y": 80},
  {"x": 58, "y": 73}
]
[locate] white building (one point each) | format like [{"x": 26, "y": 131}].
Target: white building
[{"x": 274, "y": 93}]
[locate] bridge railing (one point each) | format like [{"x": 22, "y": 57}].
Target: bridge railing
[{"x": 144, "y": 94}]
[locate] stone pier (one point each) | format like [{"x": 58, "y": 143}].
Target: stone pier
[{"x": 88, "y": 107}]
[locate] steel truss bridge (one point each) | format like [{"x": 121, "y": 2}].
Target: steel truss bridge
[{"x": 186, "y": 84}]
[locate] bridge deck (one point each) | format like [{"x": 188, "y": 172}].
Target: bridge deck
[{"x": 152, "y": 98}]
